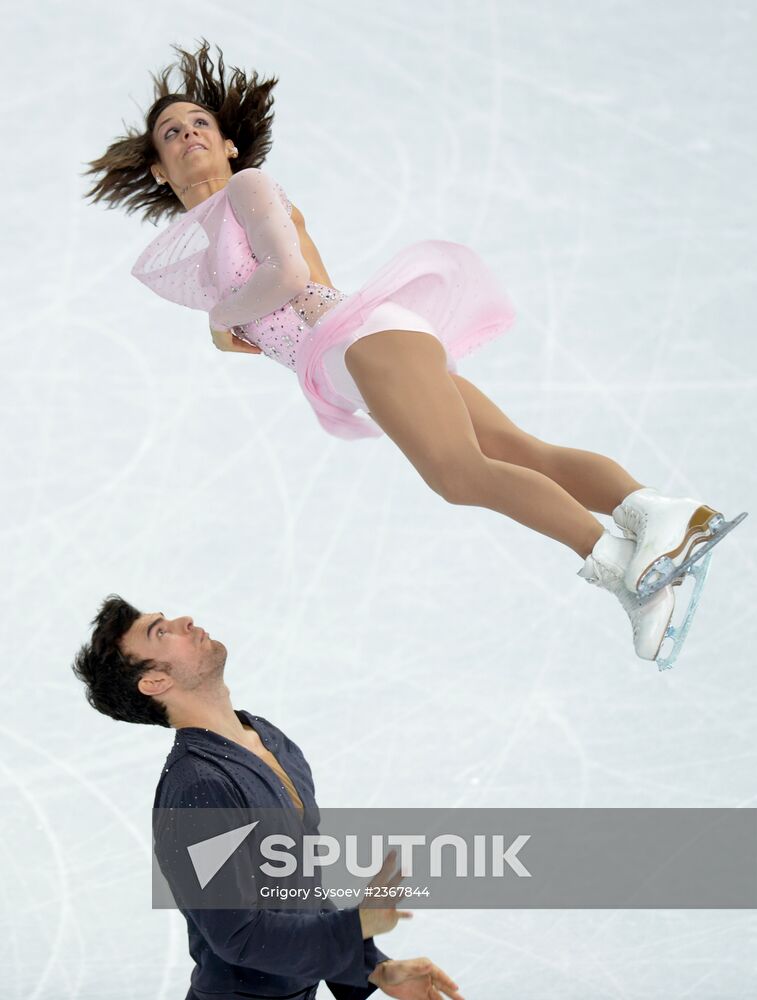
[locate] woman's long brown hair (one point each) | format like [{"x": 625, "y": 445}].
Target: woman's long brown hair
[{"x": 241, "y": 108}]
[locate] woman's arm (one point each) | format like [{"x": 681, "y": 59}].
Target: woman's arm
[{"x": 282, "y": 271}]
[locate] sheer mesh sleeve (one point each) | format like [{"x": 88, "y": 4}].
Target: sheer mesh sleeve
[{"x": 282, "y": 271}]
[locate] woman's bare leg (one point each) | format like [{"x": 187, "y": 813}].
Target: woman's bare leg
[
  {"x": 403, "y": 378},
  {"x": 598, "y": 483}
]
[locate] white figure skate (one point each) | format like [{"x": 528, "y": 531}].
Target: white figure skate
[
  {"x": 672, "y": 534},
  {"x": 605, "y": 567}
]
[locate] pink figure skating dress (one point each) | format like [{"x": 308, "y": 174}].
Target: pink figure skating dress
[{"x": 237, "y": 256}]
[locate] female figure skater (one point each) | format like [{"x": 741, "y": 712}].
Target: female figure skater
[{"x": 240, "y": 251}]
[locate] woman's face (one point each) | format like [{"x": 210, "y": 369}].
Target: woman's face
[{"x": 190, "y": 146}]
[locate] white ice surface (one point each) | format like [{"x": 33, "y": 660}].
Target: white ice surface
[{"x": 601, "y": 157}]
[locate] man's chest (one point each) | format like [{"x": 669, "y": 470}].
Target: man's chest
[{"x": 260, "y": 751}]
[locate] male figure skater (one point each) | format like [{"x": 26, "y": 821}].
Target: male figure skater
[{"x": 168, "y": 672}]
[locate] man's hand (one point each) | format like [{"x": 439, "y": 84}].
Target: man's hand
[
  {"x": 226, "y": 340},
  {"x": 379, "y": 913},
  {"x": 414, "y": 979}
]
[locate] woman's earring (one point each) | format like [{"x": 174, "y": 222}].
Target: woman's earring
[{"x": 234, "y": 152}]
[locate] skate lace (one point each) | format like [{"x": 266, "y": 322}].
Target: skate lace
[
  {"x": 609, "y": 580},
  {"x": 634, "y": 518},
  {"x": 631, "y": 606}
]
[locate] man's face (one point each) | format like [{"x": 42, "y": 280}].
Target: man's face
[{"x": 185, "y": 656}]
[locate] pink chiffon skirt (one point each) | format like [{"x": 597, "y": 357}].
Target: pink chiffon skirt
[{"x": 448, "y": 291}]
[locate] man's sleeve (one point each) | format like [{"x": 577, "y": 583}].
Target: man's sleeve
[
  {"x": 371, "y": 956},
  {"x": 310, "y": 945},
  {"x": 282, "y": 271}
]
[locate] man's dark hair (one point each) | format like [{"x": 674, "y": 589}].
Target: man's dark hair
[{"x": 110, "y": 675}]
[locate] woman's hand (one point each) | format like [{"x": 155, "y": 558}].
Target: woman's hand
[
  {"x": 226, "y": 340},
  {"x": 414, "y": 979}
]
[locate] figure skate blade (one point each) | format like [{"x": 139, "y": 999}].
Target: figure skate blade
[
  {"x": 665, "y": 572},
  {"x": 678, "y": 633}
]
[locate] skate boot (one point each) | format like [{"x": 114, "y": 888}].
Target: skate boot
[
  {"x": 671, "y": 535},
  {"x": 605, "y": 567}
]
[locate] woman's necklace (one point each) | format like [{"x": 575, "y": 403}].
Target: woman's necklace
[{"x": 206, "y": 181}]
